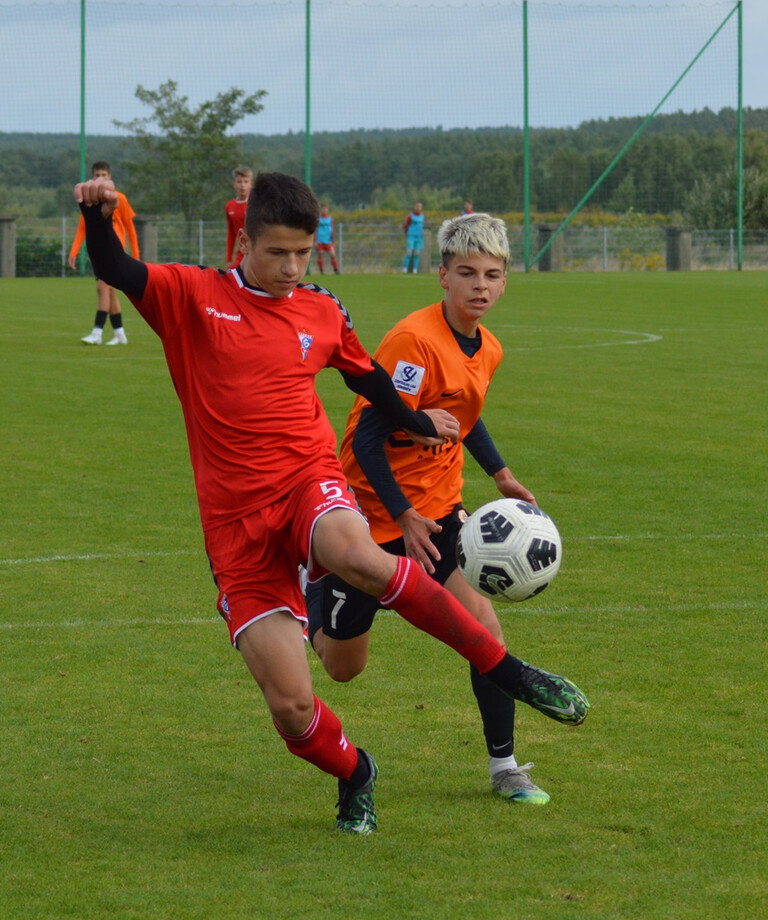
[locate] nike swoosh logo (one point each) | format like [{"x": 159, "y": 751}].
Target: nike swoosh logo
[
  {"x": 449, "y": 395},
  {"x": 570, "y": 711}
]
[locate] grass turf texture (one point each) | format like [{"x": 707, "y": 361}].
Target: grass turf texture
[{"x": 140, "y": 773}]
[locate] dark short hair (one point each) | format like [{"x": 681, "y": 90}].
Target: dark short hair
[
  {"x": 280, "y": 199},
  {"x": 100, "y": 164}
]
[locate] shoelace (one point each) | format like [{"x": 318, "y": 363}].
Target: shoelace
[{"x": 522, "y": 772}]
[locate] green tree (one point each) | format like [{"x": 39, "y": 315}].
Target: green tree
[
  {"x": 712, "y": 204},
  {"x": 494, "y": 182},
  {"x": 186, "y": 154}
]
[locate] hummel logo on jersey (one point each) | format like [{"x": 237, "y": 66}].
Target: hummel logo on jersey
[
  {"x": 232, "y": 317},
  {"x": 305, "y": 339}
]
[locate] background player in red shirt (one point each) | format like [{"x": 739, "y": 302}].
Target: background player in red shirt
[
  {"x": 242, "y": 182},
  {"x": 411, "y": 496},
  {"x": 108, "y": 303},
  {"x": 243, "y": 348}
]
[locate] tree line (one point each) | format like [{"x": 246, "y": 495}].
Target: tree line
[{"x": 682, "y": 164}]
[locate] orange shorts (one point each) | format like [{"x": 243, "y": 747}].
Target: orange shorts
[{"x": 255, "y": 560}]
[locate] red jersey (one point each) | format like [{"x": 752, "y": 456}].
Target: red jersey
[
  {"x": 235, "y": 210},
  {"x": 244, "y": 366},
  {"x": 430, "y": 371}
]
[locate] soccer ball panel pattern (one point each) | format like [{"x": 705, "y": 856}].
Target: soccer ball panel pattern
[{"x": 509, "y": 549}]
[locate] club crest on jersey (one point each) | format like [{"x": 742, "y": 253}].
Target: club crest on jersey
[{"x": 305, "y": 339}]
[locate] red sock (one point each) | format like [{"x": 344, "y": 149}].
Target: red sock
[
  {"x": 429, "y": 607},
  {"x": 323, "y": 744}
]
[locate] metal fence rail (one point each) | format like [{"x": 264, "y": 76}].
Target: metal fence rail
[{"x": 42, "y": 247}]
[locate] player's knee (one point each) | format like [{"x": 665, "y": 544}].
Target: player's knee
[
  {"x": 343, "y": 671},
  {"x": 292, "y": 715},
  {"x": 366, "y": 567}
]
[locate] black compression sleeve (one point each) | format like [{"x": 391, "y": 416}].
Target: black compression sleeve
[
  {"x": 372, "y": 431},
  {"x": 377, "y": 387},
  {"x": 480, "y": 444},
  {"x": 111, "y": 263}
]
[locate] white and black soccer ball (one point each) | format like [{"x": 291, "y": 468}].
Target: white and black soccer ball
[{"x": 509, "y": 549}]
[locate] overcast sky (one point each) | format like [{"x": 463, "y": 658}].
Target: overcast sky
[{"x": 378, "y": 64}]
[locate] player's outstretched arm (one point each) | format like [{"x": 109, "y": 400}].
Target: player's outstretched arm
[
  {"x": 111, "y": 263},
  {"x": 480, "y": 444},
  {"x": 377, "y": 387}
]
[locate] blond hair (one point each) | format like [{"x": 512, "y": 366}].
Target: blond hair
[{"x": 470, "y": 234}]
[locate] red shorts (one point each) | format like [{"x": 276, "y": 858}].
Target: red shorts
[
  {"x": 324, "y": 247},
  {"x": 255, "y": 560}
]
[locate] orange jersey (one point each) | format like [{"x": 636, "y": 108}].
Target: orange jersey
[
  {"x": 122, "y": 221},
  {"x": 430, "y": 371}
]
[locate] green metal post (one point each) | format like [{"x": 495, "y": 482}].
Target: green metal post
[
  {"x": 740, "y": 155},
  {"x": 81, "y": 256},
  {"x": 526, "y": 147},
  {"x": 307, "y": 100},
  {"x": 634, "y": 137}
]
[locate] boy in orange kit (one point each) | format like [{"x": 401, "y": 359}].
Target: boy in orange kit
[
  {"x": 108, "y": 303},
  {"x": 440, "y": 356}
]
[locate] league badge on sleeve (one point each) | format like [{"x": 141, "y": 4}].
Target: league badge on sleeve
[{"x": 408, "y": 377}]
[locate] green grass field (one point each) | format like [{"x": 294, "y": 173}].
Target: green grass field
[{"x": 140, "y": 776}]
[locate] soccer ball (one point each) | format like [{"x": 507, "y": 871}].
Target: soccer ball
[{"x": 509, "y": 549}]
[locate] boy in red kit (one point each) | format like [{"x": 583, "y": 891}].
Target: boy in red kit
[
  {"x": 243, "y": 348},
  {"x": 242, "y": 182}
]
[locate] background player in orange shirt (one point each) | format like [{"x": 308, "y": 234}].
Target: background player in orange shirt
[
  {"x": 442, "y": 357},
  {"x": 108, "y": 303},
  {"x": 242, "y": 182},
  {"x": 243, "y": 348}
]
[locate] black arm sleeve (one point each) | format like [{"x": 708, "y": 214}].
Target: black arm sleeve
[
  {"x": 372, "y": 431},
  {"x": 111, "y": 263},
  {"x": 480, "y": 444},
  {"x": 377, "y": 387}
]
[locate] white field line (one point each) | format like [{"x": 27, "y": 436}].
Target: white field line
[
  {"x": 567, "y": 538},
  {"x": 107, "y": 624},
  {"x": 559, "y": 610},
  {"x": 636, "y": 338},
  {"x": 570, "y": 538},
  {"x": 89, "y": 557}
]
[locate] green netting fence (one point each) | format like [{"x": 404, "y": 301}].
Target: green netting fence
[{"x": 538, "y": 111}]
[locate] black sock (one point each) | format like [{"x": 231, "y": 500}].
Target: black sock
[
  {"x": 506, "y": 674},
  {"x": 117, "y": 320},
  {"x": 101, "y": 319},
  {"x": 497, "y": 710},
  {"x": 362, "y": 772}
]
